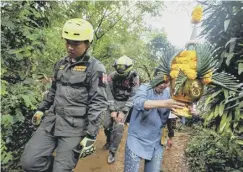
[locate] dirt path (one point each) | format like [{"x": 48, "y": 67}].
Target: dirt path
[{"x": 174, "y": 159}]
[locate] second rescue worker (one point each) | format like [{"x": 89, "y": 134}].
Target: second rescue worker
[{"x": 123, "y": 85}]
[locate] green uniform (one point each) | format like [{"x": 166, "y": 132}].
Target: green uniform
[
  {"x": 74, "y": 107},
  {"x": 120, "y": 99}
]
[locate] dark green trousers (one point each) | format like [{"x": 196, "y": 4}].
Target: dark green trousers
[
  {"x": 38, "y": 153},
  {"x": 114, "y": 130}
]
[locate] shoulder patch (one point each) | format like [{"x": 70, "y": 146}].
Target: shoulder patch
[{"x": 103, "y": 79}]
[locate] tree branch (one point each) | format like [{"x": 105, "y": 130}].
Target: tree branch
[
  {"x": 119, "y": 19},
  {"x": 101, "y": 21}
]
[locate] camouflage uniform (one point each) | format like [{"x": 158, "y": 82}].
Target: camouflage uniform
[
  {"x": 74, "y": 107},
  {"x": 122, "y": 90}
]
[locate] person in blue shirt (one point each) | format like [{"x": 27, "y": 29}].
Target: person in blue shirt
[{"x": 151, "y": 108}]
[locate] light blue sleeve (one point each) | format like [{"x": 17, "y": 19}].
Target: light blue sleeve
[{"x": 140, "y": 97}]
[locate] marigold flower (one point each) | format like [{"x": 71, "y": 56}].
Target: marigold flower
[
  {"x": 166, "y": 78},
  {"x": 208, "y": 75},
  {"x": 191, "y": 74},
  {"x": 183, "y": 53},
  {"x": 197, "y": 14},
  {"x": 174, "y": 73},
  {"x": 182, "y": 60},
  {"x": 184, "y": 67},
  {"x": 175, "y": 66},
  {"x": 188, "y": 53},
  {"x": 206, "y": 80},
  {"x": 193, "y": 65}
]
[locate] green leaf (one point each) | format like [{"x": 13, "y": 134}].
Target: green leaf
[
  {"x": 241, "y": 104},
  {"x": 232, "y": 43},
  {"x": 6, "y": 157},
  {"x": 216, "y": 110},
  {"x": 4, "y": 88},
  {"x": 226, "y": 94},
  {"x": 208, "y": 100},
  {"x": 227, "y": 126},
  {"x": 27, "y": 100},
  {"x": 221, "y": 108},
  {"x": 7, "y": 120},
  {"x": 228, "y": 58},
  {"x": 226, "y": 24},
  {"x": 241, "y": 129},
  {"x": 209, "y": 117},
  {"x": 240, "y": 142},
  {"x": 237, "y": 114},
  {"x": 240, "y": 68},
  {"x": 222, "y": 123}
]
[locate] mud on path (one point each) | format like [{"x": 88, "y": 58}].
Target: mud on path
[{"x": 174, "y": 159}]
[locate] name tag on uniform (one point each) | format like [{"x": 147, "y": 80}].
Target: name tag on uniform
[{"x": 80, "y": 68}]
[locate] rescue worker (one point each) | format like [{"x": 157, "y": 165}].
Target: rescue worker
[
  {"x": 73, "y": 107},
  {"x": 123, "y": 85}
]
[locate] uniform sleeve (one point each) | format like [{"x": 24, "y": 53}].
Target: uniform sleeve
[
  {"x": 97, "y": 99},
  {"x": 110, "y": 93},
  {"x": 49, "y": 97},
  {"x": 140, "y": 97},
  {"x": 129, "y": 102}
]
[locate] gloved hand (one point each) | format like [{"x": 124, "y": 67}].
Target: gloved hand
[
  {"x": 36, "y": 119},
  {"x": 86, "y": 146}
]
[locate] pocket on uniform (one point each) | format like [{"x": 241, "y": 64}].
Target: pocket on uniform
[
  {"x": 77, "y": 91},
  {"x": 75, "y": 115},
  {"x": 78, "y": 78}
]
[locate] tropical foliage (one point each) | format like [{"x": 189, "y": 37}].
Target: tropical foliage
[
  {"x": 208, "y": 151},
  {"x": 223, "y": 28},
  {"x": 219, "y": 148}
]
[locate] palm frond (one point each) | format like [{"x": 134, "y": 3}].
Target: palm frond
[
  {"x": 164, "y": 67},
  {"x": 205, "y": 59},
  {"x": 227, "y": 81},
  {"x": 180, "y": 80},
  {"x": 166, "y": 60}
]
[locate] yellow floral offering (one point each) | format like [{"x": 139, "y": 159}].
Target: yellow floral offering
[{"x": 197, "y": 14}]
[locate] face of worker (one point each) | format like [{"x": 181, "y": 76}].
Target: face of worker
[
  {"x": 160, "y": 88},
  {"x": 76, "y": 48}
]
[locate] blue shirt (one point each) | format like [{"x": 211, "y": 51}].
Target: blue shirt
[{"x": 144, "y": 132}]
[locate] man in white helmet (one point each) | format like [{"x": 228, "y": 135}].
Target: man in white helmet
[
  {"x": 123, "y": 84},
  {"x": 72, "y": 109}
]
